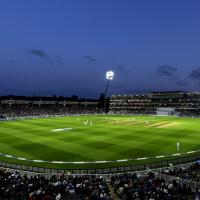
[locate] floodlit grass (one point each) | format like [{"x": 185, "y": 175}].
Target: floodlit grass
[{"x": 109, "y": 138}]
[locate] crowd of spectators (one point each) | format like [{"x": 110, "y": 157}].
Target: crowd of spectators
[
  {"x": 13, "y": 186},
  {"x": 44, "y": 110},
  {"x": 187, "y": 172},
  {"x": 133, "y": 186},
  {"x": 150, "y": 187}
]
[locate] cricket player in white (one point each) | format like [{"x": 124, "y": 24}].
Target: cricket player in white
[{"x": 177, "y": 146}]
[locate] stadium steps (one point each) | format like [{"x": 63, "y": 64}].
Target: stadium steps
[{"x": 114, "y": 195}]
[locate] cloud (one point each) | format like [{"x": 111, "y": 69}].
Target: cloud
[
  {"x": 166, "y": 70},
  {"x": 36, "y": 52},
  {"x": 119, "y": 68},
  {"x": 59, "y": 60},
  {"x": 52, "y": 62},
  {"x": 195, "y": 74},
  {"x": 90, "y": 58},
  {"x": 149, "y": 76},
  {"x": 182, "y": 83}
]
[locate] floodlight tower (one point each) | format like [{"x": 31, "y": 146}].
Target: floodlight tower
[{"x": 109, "y": 77}]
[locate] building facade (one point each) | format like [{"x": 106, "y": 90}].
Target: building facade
[{"x": 183, "y": 103}]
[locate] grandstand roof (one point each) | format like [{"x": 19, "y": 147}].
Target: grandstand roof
[{"x": 167, "y": 92}]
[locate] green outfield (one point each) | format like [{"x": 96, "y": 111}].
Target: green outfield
[{"x": 96, "y": 138}]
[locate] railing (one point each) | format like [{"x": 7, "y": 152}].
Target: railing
[{"x": 110, "y": 170}]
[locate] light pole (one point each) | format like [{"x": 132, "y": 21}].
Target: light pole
[{"x": 109, "y": 77}]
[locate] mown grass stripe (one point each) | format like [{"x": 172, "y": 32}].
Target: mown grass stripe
[{"x": 33, "y": 139}]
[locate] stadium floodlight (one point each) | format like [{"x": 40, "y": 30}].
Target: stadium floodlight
[{"x": 109, "y": 77}]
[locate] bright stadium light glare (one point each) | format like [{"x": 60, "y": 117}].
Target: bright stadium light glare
[{"x": 109, "y": 75}]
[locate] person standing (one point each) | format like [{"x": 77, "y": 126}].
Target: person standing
[{"x": 178, "y": 146}]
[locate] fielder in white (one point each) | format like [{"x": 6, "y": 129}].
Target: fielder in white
[{"x": 178, "y": 146}]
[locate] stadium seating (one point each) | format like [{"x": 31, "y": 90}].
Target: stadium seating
[
  {"x": 150, "y": 186},
  {"x": 13, "y": 186},
  {"x": 133, "y": 186},
  {"x": 22, "y": 110},
  {"x": 188, "y": 172},
  {"x": 183, "y": 103}
]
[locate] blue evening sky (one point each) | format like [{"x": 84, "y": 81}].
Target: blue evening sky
[{"x": 66, "y": 46}]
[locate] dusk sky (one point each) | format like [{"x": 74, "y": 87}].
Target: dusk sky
[{"x": 66, "y": 46}]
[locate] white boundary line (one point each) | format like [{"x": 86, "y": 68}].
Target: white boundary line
[{"x": 98, "y": 161}]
